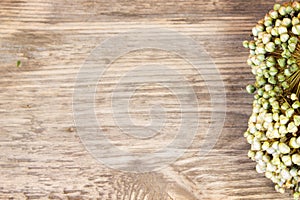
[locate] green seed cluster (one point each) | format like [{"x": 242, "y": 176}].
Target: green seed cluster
[{"x": 274, "y": 126}]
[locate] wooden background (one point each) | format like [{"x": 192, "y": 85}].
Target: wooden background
[{"x": 42, "y": 157}]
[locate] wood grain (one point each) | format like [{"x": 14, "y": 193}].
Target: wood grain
[{"x": 41, "y": 155}]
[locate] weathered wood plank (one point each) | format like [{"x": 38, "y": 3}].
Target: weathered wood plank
[{"x": 41, "y": 155}]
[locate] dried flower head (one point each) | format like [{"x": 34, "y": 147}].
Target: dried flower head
[{"x": 274, "y": 126}]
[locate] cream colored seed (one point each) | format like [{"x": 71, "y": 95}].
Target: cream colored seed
[
  {"x": 297, "y": 120},
  {"x": 296, "y": 159},
  {"x": 283, "y": 119},
  {"x": 283, "y": 148},
  {"x": 292, "y": 128},
  {"x": 298, "y": 141},
  {"x": 287, "y": 160},
  {"x": 282, "y": 29},
  {"x": 285, "y": 174},
  {"x": 286, "y": 22},
  {"x": 289, "y": 112},
  {"x": 273, "y": 14},
  {"x": 293, "y": 143},
  {"x": 284, "y": 37}
]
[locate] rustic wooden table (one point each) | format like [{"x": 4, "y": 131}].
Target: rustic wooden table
[{"x": 41, "y": 154}]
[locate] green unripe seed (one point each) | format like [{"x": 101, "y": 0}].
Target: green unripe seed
[
  {"x": 277, "y": 89},
  {"x": 281, "y": 62},
  {"x": 266, "y": 105},
  {"x": 296, "y": 29},
  {"x": 260, "y": 92},
  {"x": 274, "y": 14},
  {"x": 252, "y": 45},
  {"x": 260, "y": 57},
  {"x": 281, "y": 77},
  {"x": 294, "y": 68},
  {"x": 282, "y": 11},
  {"x": 270, "y": 47},
  {"x": 284, "y": 37},
  {"x": 291, "y": 61},
  {"x": 285, "y": 85},
  {"x": 270, "y": 61},
  {"x": 284, "y": 46},
  {"x": 286, "y": 22},
  {"x": 268, "y": 87},
  {"x": 276, "y": 6},
  {"x": 293, "y": 39},
  {"x": 261, "y": 81},
  {"x": 289, "y": 9},
  {"x": 246, "y": 44},
  {"x": 260, "y": 49},
  {"x": 296, "y": 105},
  {"x": 277, "y": 41},
  {"x": 251, "y": 154},
  {"x": 272, "y": 80},
  {"x": 269, "y": 28},
  {"x": 260, "y": 27},
  {"x": 292, "y": 47},
  {"x": 274, "y": 32},
  {"x": 296, "y": 195},
  {"x": 292, "y": 128},
  {"x": 297, "y": 120},
  {"x": 268, "y": 23},
  {"x": 250, "y": 89},
  {"x": 295, "y": 21},
  {"x": 296, "y": 6},
  {"x": 286, "y": 53},
  {"x": 289, "y": 112},
  {"x": 273, "y": 71},
  {"x": 287, "y": 73},
  {"x": 285, "y": 106}
]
